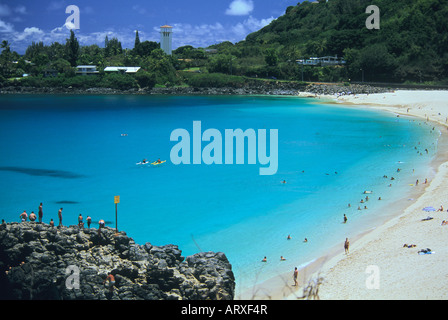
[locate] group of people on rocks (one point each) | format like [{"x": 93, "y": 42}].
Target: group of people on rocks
[{"x": 32, "y": 217}]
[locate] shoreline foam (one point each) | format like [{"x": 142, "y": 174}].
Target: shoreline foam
[{"x": 403, "y": 273}]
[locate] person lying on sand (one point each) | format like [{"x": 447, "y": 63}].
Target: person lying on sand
[{"x": 409, "y": 245}]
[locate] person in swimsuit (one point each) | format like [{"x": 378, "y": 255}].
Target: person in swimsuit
[
  {"x": 23, "y": 216},
  {"x": 346, "y": 245},
  {"x": 60, "y": 217},
  {"x": 40, "y": 213},
  {"x": 32, "y": 216},
  {"x": 295, "y": 276},
  {"x": 111, "y": 280}
]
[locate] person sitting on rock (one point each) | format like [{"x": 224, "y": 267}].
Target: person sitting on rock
[
  {"x": 32, "y": 216},
  {"x": 23, "y": 216}
]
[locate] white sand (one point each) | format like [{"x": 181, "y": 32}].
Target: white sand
[{"x": 401, "y": 273}]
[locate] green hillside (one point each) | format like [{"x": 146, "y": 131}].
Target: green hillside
[{"x": 411, "y": 44}]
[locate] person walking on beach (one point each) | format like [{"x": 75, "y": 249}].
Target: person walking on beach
[
  {"x": 40, "y": 213},
  {"x": 60, "y": 217},
  {"x": 295, "y": 277},
  {"x": 346, "y": 245}
]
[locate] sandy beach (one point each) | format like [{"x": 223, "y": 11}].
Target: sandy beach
[{"x": 378, "y": 266}]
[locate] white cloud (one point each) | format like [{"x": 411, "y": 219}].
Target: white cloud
[
  {"x": 6, "y": 27},
  {"x": 240, "y": 8},
  {"x": 33, "y": 32},
  {"x": 242, "y": 29},
  {"x": 205, "y": 35}
]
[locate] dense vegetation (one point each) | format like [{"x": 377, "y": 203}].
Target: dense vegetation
[{"x": 411, "y": 45}]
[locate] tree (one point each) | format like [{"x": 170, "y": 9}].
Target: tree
[
  {"x": 145, "y": 79},
  {"x": 113, "y": 47},
  {"x": 146, "y": 47},
  {"x": 137, "y": 40},
  {"x": 271, "y": 57},
  {"x": 222, "y": 63},
  {"x": 72, "y": 49}
]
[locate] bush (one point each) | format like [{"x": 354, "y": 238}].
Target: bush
[
  {"x": 145, "y": 79},
  {"x": 214, "y": 80},
  {"x": 117, "y": 81}
]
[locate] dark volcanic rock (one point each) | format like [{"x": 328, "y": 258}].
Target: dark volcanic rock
[{"x": 42, "y": 262}]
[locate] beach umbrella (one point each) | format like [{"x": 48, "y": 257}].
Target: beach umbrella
[{"x": 427, "y": 209}]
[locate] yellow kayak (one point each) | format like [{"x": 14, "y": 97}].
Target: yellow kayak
[{"x": 155, "y": 163}]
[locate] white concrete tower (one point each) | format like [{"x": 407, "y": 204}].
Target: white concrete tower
[{"x": 166, "y": 39}]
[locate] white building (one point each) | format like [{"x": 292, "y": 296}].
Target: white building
[
  {"x": 322, "y": 61},
  {"x": 122, "y": 69},
  {"x": 86, "y": 70},
  {"x": 166, "y": 39}
]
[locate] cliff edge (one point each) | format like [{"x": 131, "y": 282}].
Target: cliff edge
[{"x": 41, "y": 262}]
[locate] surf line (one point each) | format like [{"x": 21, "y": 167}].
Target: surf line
[{"x": 212, "y": 153}]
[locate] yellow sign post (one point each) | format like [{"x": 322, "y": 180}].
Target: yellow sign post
[{"x": 116, "y": 201}]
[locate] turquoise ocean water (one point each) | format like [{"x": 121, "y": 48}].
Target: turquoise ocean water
[{"x": 78, "y": 152}]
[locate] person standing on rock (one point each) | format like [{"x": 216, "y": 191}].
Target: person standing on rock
[
  {"x": 60, "y": 217},
  {"x": 111, "y": 280},
  {"x": 80, "y": 222},
  {"x": 101, "y": 224},
  {"x": 40, "y": 213},
  {"x": 89, "y": 221}
]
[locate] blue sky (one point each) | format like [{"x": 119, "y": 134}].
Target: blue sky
[{"x": 199, "y": 23}]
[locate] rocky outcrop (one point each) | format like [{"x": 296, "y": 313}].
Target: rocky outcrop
[
  {"x": 332, "y": 89},
  {"x": 253, "y": 87},
  {"x": 41, "y": 262}
]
